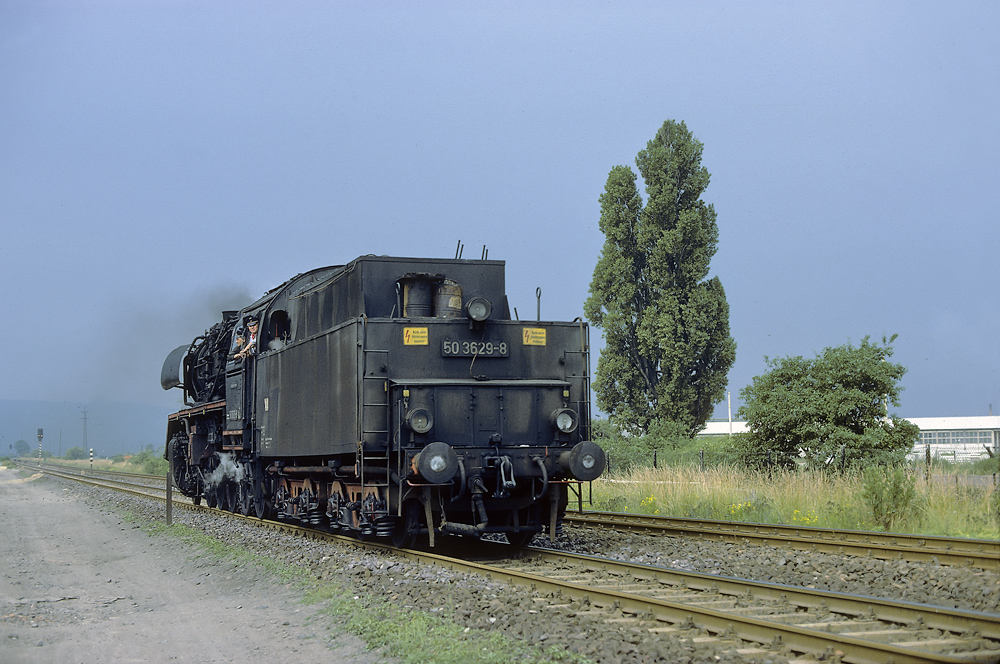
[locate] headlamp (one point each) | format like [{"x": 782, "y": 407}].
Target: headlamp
[
  {"x": 419, "y": 420},
  {"x": 565, "y": 419},
  {"x": 478, "y": 309}
]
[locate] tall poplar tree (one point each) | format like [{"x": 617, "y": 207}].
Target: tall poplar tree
[{"x": 666, "y": 324}]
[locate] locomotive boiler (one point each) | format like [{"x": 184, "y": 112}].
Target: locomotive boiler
[{"x": 389, "y": 397}]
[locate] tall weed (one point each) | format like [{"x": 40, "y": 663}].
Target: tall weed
[
  {"x": 891, "y": 495},
  {"x": 891, "y": 499}
]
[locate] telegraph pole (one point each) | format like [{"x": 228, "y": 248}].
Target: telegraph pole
[{"x": 85, "y": 427}]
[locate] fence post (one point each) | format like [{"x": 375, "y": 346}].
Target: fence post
[
  {"x": 701, "y": 457},
  {"x": 654, "y": 459},
  {"x": 927, "y": 465},
  {"x": 170, "y": 499}
]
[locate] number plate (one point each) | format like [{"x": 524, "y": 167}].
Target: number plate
[{"x": 451, "y": 348}]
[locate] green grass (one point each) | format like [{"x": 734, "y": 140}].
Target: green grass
[
  {"x": 143, "y": 463},
  {"x": 420, "y": 638},
  {"x": 943, "y": 506}
]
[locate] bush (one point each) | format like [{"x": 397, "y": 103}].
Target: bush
[
  {"x": 891, "y": 494},
  {"x": 982, "y": 467},
  {"x": 75, "y": 453},
  {"x": 622, "y": 452},
  {"x": 666, "y": 444},
  {"x": 150, "y": 463}
]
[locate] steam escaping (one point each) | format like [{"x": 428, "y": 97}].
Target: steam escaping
[{"x": 228, "y": 470}]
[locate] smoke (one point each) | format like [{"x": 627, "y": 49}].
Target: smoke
[
  {"x": 123, "y": 362},
  {"x": 227, "y": 469}
]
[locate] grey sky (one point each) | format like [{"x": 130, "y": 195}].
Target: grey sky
[{"x": 162, "y": 160}]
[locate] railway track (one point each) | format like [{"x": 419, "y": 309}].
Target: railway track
[
  {"x": 803, "y": 621},
  {"x": 153, "y": 486},
  {"x": 978, "y": 553},
  {"x": 983, "y": 554},
  {"x": 757, "y": 619}
]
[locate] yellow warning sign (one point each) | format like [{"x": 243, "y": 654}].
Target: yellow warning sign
[
  {"x": 414, "y": 336},
  {"x": 533, "y": 336}
]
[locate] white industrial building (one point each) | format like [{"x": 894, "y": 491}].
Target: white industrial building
[{"x": 955, "y": 438}]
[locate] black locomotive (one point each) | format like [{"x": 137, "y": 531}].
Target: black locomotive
[{"x": 392, "y": 397}]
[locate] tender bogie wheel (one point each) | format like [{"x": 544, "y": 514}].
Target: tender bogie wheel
[{"x": 281, "y": 498}]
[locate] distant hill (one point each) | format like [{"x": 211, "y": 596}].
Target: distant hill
[{"x": 112, "y": 428}]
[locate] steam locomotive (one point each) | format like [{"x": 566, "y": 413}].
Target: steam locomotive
[{"x": 389, "y": 397}]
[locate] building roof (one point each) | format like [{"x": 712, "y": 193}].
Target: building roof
[
  {"x": 956, "y": 423},
  {"x": 721, "y": 427}
]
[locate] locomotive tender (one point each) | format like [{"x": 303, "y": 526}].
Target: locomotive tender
[{"x": 392, "y": 397}]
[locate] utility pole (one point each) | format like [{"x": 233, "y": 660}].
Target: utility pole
[
  {"x": 729, "y": 402},
  {"x": 84, "y": 427}
]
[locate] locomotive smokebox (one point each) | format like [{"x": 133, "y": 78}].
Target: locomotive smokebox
[{"x": 171, "y": 375}]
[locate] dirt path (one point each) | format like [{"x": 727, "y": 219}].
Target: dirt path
[{"x": 80, "y": 585}]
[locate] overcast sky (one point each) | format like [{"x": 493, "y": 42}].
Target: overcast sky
[{"x": 161, "y": 161}]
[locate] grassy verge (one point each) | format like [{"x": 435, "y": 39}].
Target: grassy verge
[
  {"x": 144, "y": 463},
  {"x": 412, "y": 637},
  {"x": 420, "y": 638},
  {"x": 945, "y": 505}
]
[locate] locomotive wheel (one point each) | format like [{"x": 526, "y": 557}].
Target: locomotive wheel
[
  {"x": 404, "y": 535},
  {"x": 246, "y": 496},
  {"x": 212, "y": 496},
  {"x": 231, "y": 496},
  {"x": 198, "y": 483},
  {"x": 261, "y": 507},
  {"x": 178, "y": 463}
]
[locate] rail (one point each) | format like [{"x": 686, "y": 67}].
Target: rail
[{"x": 979, "y": 553}]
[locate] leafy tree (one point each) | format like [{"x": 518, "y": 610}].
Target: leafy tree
[
  {"x": 836, "y": 404},
  {"x": 22, "y": 447},
  {"x": 76, "y": 453},
  {"x": 666, "y": 325}
]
